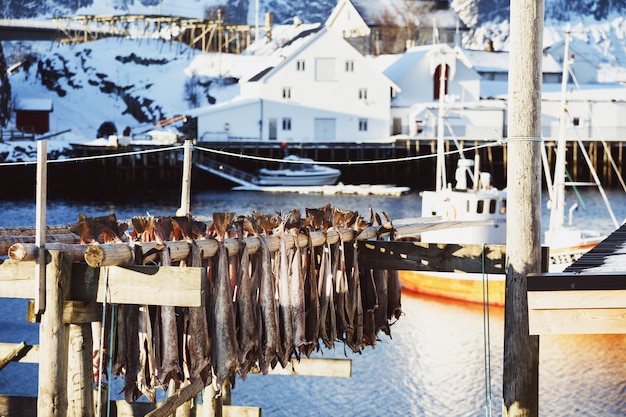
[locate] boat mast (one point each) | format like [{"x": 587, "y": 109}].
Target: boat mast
[
  {"x": 441, "y": 167},
  {"x": 557, "y": 211}
]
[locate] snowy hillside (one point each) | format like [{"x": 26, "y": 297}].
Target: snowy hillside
[
  {"x": 136, "y": 82},
  {"x": 131, "y": 82}
]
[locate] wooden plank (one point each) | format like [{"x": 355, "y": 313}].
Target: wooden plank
[
  {"x": 17, "y": 279},
  {"x": 169, "y": 405},
  {"x": 123, "y": 409},
  {"x": 80, "y": 312},
  {"x": 416, "y": 256},
  {"x": 14, "y": 352},
  {"x": 165, "y": 285},
  {"x": 143, "y": 284},
  {"x": 18, "y": 406},
  {"x": 31, "y": 355},
  {"x": 338, "y": 368},
  {"x": 577, "y": 282},
  {"x": 239, "y": 411},
  {"x": 577, "y": 321},
  {"x": 575, "y": 299}
]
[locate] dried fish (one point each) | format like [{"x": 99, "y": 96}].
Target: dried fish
[
  {"x": 311, "y": 299},
  {"x": 269, "y": 337},
  {"x": 224, "y": 333},
  {"x": 197, "y": 330},
  {"x": 166, "y": 338},
  {"x": 382, "y": 292},
  {"x": 328, "y": 323},
  {"x": 370, "y": 304},
  {"x": 296, "y": 294},
  {"x": 285, "y": 319},
  {"x": 246, "y": 315},
  {"x": 133, "y": 365}
]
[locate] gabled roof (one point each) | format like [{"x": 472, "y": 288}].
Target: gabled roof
[
  {"x": 411, "y": 57},
  {"x": 290, "y": 47},
  {"x": 294, "y": 46}
]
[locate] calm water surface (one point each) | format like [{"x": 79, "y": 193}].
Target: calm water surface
[{"x": 435, "y": 362}]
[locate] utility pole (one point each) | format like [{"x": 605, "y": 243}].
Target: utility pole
[{"x": 523, "y": 232}]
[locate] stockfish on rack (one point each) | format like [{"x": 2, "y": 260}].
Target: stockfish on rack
[{"x": 277, "y": 287}]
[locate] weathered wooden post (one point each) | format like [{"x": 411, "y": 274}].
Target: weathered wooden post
[
  {"x": 523, "y": 242},
  {"x": 80, "y": 373},
  {"x": 185, "y": 197},
  {"x": 40, "y": 224},
  {"x": 53, "y": 338}
]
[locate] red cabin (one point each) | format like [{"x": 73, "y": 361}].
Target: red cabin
[{"x": 33, "y": 115}]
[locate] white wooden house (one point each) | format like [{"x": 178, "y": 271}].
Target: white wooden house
[
  {"x": 584, "y": 62},
  {"x": 364, "y": 23},
  {"x": 476, "y": 93},
  {"x": 415, "y": 110},
  {"x": 317, "y": 87}
]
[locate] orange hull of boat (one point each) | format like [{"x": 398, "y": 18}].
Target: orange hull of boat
[{"x": 457, "y": 286}]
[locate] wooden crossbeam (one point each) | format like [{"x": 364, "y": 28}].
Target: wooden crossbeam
[{"x": 419, "y": 256}]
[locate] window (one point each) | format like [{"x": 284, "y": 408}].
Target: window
[
  {"x": 325, "y": 69},
  {"x": 300, "y": 65},
  {"x": 287, "y": 123},
  {"x": 362, "y": 125},
  {"x": 349, "y": 66},
  {"x": 286, "y": 92},
  {"x": 362, "y": 93}
]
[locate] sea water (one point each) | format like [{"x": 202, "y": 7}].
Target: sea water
[{"x": 444, "y": 358}]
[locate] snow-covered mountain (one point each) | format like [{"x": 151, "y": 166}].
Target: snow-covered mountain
[{"x": 473, "y": 13}]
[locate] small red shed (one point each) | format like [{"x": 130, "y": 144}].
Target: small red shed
[{"x": 33, "y": 115}]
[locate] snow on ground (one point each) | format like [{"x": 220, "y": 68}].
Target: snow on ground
[{"x": 94, "y": 65}]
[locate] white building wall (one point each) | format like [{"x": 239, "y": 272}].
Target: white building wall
[
  {"x": 358, "y": 91},
  {"x": 597, "y": 120},
  {"x": 238, "y": 120}
]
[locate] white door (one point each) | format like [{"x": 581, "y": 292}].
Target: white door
[
  {"x": 273, "y": 134},
  {"x": 325, "y": 130}
]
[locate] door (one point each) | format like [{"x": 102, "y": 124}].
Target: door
[
  {"x": 273, "y": 135},
  {"x": 325, "y": 130}
]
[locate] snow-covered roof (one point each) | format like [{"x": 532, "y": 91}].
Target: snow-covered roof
[
  {"x": 498, "y": 61},
  {"x": 428, "y": 13},
  {"x": 34, "y": 104},
  {"x": 288, "y": 48}
]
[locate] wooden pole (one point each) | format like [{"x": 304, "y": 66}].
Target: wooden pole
[
  {"x": 185, "y": 199},
  {"x": 80, "y": 375},
  {"x": 121, "y": 254},
  {"x": 40, "y": 225},
  {"x": 54, "y": 338},
  {"x": 523, "y": 240}
]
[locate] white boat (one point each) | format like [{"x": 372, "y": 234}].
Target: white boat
[
  {"x": 148, "y": 139},
  {"x": 474, "y": 199},
  {"x": 297, "y": 171}
]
